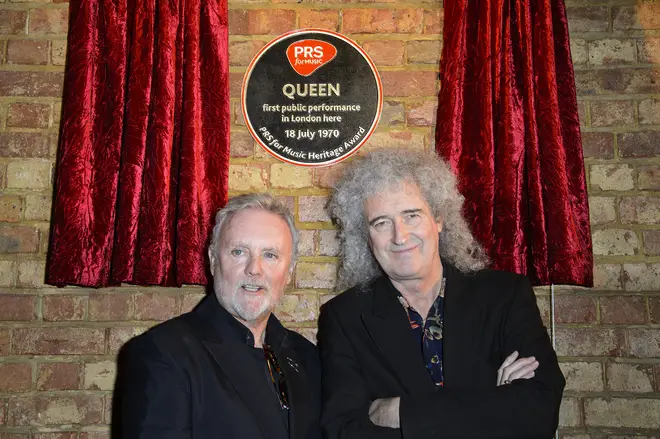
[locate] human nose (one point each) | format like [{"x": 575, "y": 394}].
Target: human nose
[
  {"x": 400, "y": 232},
  {"x": 253, "y": 267}
]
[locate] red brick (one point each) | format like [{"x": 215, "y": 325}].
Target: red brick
[
  {"x": 639, "y": 144},
  {"x": 385, "y": 53},
  {"x": 423, "y": 52},
  {"x": 598, "y": 145},
  {"x": 153, "y": 306},
  {"x": 609, "y": 113},
  {"x": 17, "y": 307},
  {"x": 120, "y": 335},
  {"x": 235, "y": 84},
  {"x": 320, "y": 19},
  {"x": 58, "y": 341},
  {"x": 648, "y": 177},
  {"x": 45, "y": 84},
  {"x": 18, "y": 239},
  {"x": 11, "y": 208},
  {"x": 15, "y": 377},
  {"x": 58, "y": 376},
  {"x": 640, "y": 210},
  {"x": 24, "y": 145},
  {"x": 651, "y": 242},
  {"x": 190, "y": 301},
  {"x": 434, "y": 21},
  {"x": 588, "y": 19},
  {"x": 241, "y": 144},
  {"x": 53, "y": 410},
  {"x": 259, "y": 21},
  {"x": 422, "y": 114},
  {"x": 409, "y": 83},
  {"x": 238, "y": 22},
  {"x": 376, "y": 21},
  {"x": 654, "y": 309},
  {"x": 622, "y": 310},
  {"x": 104, "y": 307},
  {"x": 326, "y": 177},
  {"x": 58, "y": 308},
  {"x": 648, "y": 50},
  {"x": 241, "y": 53},
  {"x": 27, "y": 115},
  {"x": 49, "y": 21},
  {"x": 644, "y": 16},
  {"x": 27, "y": 52},
  {"x": 312, "y": 209},
  {"x": 618, "y": 81},
  {"x": 575, "y": 309},
  {"x": 578, "y": 342},
  {"x": 12, "y": 22},
  {"x": 4, "y": 344}
]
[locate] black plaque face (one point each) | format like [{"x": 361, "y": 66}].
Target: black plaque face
[{"x": 311, "y": 97}]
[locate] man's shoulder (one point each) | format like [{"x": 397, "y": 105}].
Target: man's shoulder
[
  {"x": 355, "y": 298},
  {"x": 170, "y": 333}
]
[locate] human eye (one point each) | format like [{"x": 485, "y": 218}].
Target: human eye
[
  {"x": 381, "y": 225},
  {"x": 237, "y": 252},
  {"x": 412, "y": 218},
  {"x": 271, "y": 255}
]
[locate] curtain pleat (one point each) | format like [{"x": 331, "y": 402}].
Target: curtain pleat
[
  {"x": 508, "y": 124},
  {"x": 144, "y": 143}
]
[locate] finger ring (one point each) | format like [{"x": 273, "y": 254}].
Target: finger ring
[{"x": 507, "y": 382}]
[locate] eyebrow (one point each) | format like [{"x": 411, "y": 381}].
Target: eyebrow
[
  {"x": 403, "y": 212},
  {"x": 247, "y": 245}
]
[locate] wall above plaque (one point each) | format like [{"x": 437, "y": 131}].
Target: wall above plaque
[{"x": 311, "y": 97}]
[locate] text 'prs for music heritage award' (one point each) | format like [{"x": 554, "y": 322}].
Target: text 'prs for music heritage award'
[{"x": 311, "y": 97}]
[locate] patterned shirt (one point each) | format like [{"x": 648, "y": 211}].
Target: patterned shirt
[{"x": 429, "y": 333}]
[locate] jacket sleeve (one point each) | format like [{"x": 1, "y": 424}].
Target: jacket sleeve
[
  {"x": 345, "y": 395},
  {"x": 524, "y": 408},
  {"x": 154, "y": 394}
]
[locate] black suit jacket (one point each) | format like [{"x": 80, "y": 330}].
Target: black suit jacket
[
  {"x": 187, "y": 379},
  {"x": 368, "y": 351}
]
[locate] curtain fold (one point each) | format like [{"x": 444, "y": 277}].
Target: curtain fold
[
  {"x": 508, "y": 124},
  {"x": 143, "y": 154}
]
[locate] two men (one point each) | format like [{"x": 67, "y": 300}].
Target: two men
[
  {"x": 228, "y": 369},
  {"x": 425, "y": 342}
]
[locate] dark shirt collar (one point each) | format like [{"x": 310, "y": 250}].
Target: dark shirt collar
[{"x": 276, "y": 334}]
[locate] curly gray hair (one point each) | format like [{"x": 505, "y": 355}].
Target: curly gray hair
[
  {"x": 262, "y": 201},
  {"x": 377, "y": 172}
]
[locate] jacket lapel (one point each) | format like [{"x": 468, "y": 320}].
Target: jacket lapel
[
  {"x": 234, "y": 362},
  {"x": 390, "y": 331},
  {"x": 300, "y": 403},
  {"x": 456, "y": 325}
]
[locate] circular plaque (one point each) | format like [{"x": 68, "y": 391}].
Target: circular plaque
[{"x": 311, "y": 97}]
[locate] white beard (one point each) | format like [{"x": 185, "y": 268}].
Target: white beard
[{"x": 248, "y": 308}]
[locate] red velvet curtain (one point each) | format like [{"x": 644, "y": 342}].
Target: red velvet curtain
[
  {"x": 144, "y": 142},
  {"x": 508, "y": 124}
]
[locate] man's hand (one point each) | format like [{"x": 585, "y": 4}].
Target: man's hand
[
  {"x": 384, "y": 412},
  {"x": 512, "y": 369}
]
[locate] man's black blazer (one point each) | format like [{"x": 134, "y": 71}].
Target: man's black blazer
[
  {"x": 186, "y": 379},
  {"x": 368, "y": 351}
]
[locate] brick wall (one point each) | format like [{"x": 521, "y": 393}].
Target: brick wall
[{"x": 57, "y": 346}]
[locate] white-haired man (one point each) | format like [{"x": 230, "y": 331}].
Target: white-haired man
[
  {"x": 426, "y": 342},
  {"x": 228, "y": 369}
]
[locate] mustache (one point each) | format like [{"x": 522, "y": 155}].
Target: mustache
[{"x": 253, "y": 283}]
